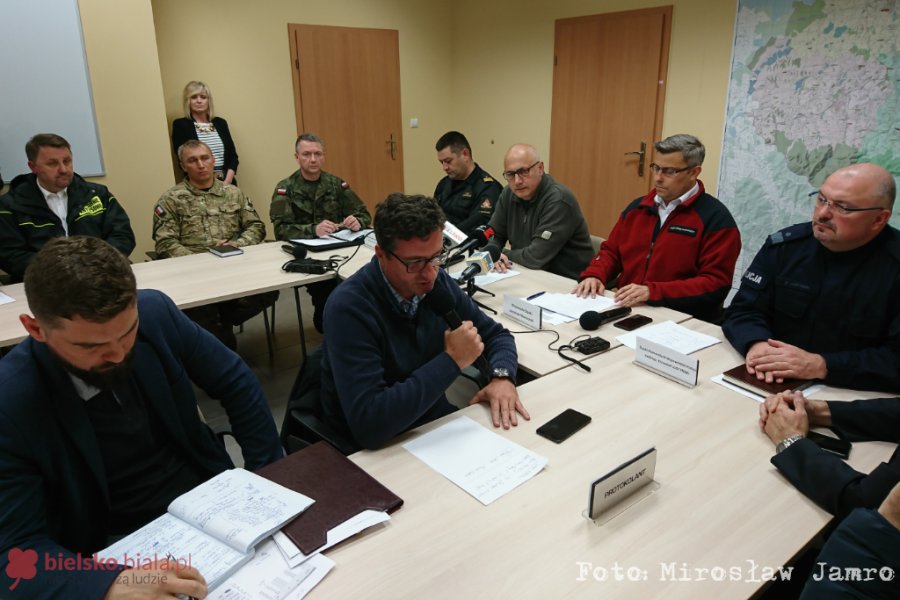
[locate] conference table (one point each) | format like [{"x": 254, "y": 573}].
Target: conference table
[{"x": 721, "y": 507}]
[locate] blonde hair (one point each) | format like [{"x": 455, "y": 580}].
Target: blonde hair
[{"x": 194, "y": 87}]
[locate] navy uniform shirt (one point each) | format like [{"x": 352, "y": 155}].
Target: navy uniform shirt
[
  {"x": 468, "y": 203},
  {"x": 842, "y": 305}
]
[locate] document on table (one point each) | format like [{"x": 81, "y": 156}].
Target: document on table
[
  {"x": 267, "y": 576},
  {"x": 671, "y": 335},
  {"x": 4, "y": 299},
  {"x": 486, "y": 279},
  {"x": 482, "y": 463},
  {"x": 367, "y": 518},
  {"x": 571, "y": 305}
]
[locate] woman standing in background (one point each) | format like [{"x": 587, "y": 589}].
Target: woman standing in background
[{"x": 200, "y": 123}]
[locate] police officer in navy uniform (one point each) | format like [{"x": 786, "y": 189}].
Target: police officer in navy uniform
[
  {"x": 821, "y": 300},
  {"x": 468, "y": 193}
]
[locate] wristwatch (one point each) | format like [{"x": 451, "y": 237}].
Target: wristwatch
[
  {"x": 787, "y": 442},
  {"x": 501, "y": 373}
]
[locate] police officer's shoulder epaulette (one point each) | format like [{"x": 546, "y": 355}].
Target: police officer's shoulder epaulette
[
  {"x": 488, "y": 179},
  {"x": 790, "y": 234}
]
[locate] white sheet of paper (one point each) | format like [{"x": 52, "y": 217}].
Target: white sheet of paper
[
  {"x": 482, "y": 463},
  {"x": 239, "y": 507},
  {"x": 486, "y": 279},
  {"x": 4, "y": 299},
  {"x": 268, "y": 577},
  {"x": 571, "y": 305},
  {"x": 325, "y": 241},
  {"x": 492, "y": 276},
  {"x": 671, "y": 335},
  {"x": 348, "y": 236},
  {"x": 336, "y": 535}
]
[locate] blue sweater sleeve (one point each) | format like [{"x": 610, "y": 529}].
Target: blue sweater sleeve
[{"x": 359, "y": 340}]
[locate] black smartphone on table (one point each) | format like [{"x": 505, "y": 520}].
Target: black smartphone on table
[
  {"x": 830, "y": 444},
  {"x": 633, "y": 322},
  {"x": 563, "y": 425}
]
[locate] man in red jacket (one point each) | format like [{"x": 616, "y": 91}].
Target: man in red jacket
[{"x": 675, "y": 247}]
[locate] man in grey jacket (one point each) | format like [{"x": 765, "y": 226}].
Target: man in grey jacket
[{"x": 540, "y": 218}]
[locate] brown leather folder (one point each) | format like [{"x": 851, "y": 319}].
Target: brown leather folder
[
  {"x": 340, "y": 488},
  {"x": 740, "y": 377}
]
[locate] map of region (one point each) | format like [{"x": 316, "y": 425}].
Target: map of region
[{"x": 815, "y": 86}]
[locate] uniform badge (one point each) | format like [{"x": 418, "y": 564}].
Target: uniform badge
[
  {"x": 281, "y": 191},
  {"x": 344, "y": 185},
  {"x": 546, "y": 234},
  {"x": 158, "y": 211},
  {"x": 488, "y": 180},
  {"x": 467, "y": 194},
  {"x": 486, "y": 204}
]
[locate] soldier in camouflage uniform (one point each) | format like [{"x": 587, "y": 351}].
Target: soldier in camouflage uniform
[
  {"x": 468, "y": 194},
  {"x": 312, "y": 203},
  {"x": 200, "y": 212}
]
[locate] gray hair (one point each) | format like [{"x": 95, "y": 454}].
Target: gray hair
[{"x": 690, "y": 147}]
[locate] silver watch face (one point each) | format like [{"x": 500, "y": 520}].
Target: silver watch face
[{"x": 500, "y": 372}]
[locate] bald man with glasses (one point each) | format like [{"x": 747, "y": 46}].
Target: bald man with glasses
[
  {"x": 539, "y": 217},
  {"x": 674, "y": 247},
  {"x": 821, "y": 299}
]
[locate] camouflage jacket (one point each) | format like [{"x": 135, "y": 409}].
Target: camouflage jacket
[
  {"x": 295, "y": 213},
  {"x": 187, "y": 220}
]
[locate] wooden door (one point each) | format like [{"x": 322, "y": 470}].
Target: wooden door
[
  {"x": 608, "y": 94},
  {"x": 347, "y": 91}
]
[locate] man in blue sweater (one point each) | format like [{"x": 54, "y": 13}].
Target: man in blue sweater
[{"x": 388, "y": 360}]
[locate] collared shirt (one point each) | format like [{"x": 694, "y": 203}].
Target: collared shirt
[
  {"x": 666, "y": 210},
  {"x": 58, "y": 202},
  {"x": 84, "y": 390},
  {"x": 407, "y": 307}
]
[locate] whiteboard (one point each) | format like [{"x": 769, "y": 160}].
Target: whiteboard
[{"x": 46, "y": 86}]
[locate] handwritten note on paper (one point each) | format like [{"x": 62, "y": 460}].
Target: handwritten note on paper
[
  {"x": 671, "y": 335},
  {"x": 167, "y": 535},
  {"x": 484, "y": 464},
  {"x": 571, "y": 305},
  {"x": 239, "y": 507}
]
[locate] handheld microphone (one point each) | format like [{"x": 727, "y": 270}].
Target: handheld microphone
[
  {"x": 479, "y": 262},
  {"x": 440, "y": 302},
  {"x": 591, "y": 319},
  {"x": 478, "y": 238}
]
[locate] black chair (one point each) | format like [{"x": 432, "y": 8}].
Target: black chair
[{"x": 303, "y": 424}]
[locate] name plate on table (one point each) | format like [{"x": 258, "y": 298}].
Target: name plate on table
[
  {"x": 666, "y": 362},
  {"x": 522, "y": 311},
  {"x": 623, "y": 482}
]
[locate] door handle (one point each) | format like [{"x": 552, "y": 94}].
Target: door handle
[
  {"x": 642, "y": 153},
  {"x": 393, "y": 144}
]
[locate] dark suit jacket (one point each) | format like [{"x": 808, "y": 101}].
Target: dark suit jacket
[
  {"x": 829, "y": 481},
  {"x": 53, "y": 491}
]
